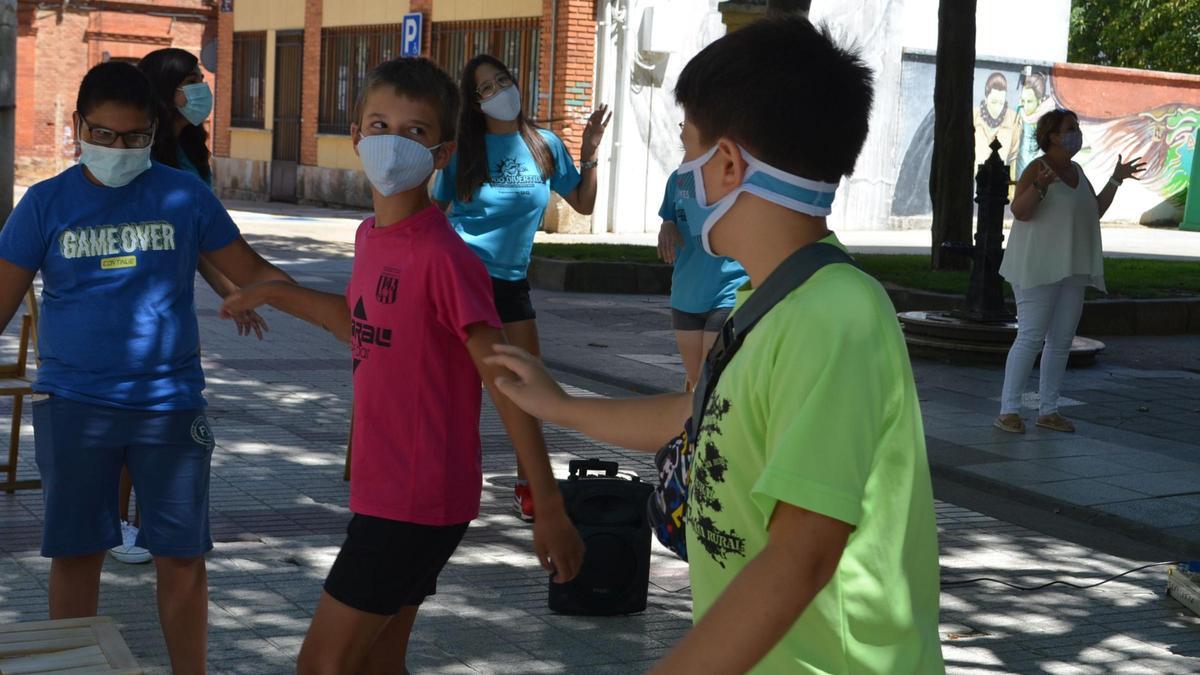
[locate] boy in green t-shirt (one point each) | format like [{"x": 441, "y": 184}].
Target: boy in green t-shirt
[{"x": 811, "y": 534}]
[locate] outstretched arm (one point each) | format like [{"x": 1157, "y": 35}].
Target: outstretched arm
[
  {"x": 558, "y": 546},
  {"x": 327, "y": 310},
  {"x": 639, "y": 423},
  {"x": 249, "y": 322}
]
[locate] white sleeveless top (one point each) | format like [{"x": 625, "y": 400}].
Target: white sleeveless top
[{"x": 1061, "y": 241}]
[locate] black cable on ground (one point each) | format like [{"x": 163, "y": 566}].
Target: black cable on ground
[{"x": 963, "y": 582}]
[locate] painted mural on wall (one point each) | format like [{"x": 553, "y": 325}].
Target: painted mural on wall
[{"x": 1157, "y": 122}]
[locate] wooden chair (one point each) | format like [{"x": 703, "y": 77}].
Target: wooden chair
[
  {"x": 15, "y": 382},
  {"x": 91, "y": 645}
]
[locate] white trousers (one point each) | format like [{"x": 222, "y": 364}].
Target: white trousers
[{"x": 1047, "y": 317}]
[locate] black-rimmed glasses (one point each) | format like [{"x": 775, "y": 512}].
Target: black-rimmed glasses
[{"x": 106, "y": 137}]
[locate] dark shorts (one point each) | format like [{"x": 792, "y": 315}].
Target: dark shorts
[
  {"x": 386, "y": 565},
  {"x": 80, "y": 450},
  {"x": 512, "y": 300},
  {"x": 709, "y": 322}
]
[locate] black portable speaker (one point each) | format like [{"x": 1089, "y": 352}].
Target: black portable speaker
[{"x": 610, "y": 513}]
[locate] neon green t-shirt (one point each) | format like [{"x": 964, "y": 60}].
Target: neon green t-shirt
[{"x": 819, "y": 410}]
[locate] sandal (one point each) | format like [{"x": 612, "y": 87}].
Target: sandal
[
  {"x": 1056, "y": 422},
  {"x": 1010, "y": 423}
]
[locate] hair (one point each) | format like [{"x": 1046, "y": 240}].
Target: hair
[
  {"x": 1036, "y": 82},
  {"x": 745, "y": 87},
  {"x": 995, "y": 82},
  {"x": 416, "y": 78},
  {"x": 166, "y": 69},
  {"x": 473, "y": 170},
  {"x": 1049, "y": 124},
  {"x": 115, "y": 82}
]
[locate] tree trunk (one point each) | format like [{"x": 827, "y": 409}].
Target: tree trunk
[
  {"x": 789, "y": 6},
  {"x": 951, "y": 178}
]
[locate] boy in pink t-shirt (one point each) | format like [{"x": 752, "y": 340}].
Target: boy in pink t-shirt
[{"x": 419, "y": 317}]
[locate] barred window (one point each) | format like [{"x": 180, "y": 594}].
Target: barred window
[
  {"x": 347, "y": 55},
  {"x": 249, "y": 75},
  {"x": 513, "y": 41}
]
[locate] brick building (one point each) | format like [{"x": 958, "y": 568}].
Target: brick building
[
  {"x": 58, "y": 42},
  {"x": 289, "y": 71}
]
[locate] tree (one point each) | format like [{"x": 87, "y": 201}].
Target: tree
[
  {"x": 951, "y": 178},
  {"x": 1147, "y": 34}
]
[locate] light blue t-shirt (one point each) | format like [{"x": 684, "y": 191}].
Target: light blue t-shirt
[
  {"x": 504, "y": 213},
  {"x": 185, "y": 164},
  {"x": 118, "y": 322},
  {"x": 700, "y": 282}
]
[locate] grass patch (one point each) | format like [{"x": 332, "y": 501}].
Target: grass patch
[{"x": 1125, "y": 277}]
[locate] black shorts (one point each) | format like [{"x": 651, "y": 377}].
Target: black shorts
[
  {"x": 512, "y": 300},
  {"x": 709, "y": 322},
  {"x": 385, "y": 565}
]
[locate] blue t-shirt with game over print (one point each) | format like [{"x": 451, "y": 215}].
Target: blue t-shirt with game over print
[
  {"x": 700, "y": 282},
  {"x": 118, "y": 322},
  {"x": 500, "y": 220}
]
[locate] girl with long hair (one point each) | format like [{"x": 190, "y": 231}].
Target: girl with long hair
[{"x": 497, "y": 187}]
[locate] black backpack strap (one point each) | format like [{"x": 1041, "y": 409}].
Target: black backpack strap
[{"x": 790, "y": 275}]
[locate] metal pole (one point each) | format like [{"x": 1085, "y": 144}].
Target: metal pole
[{"x": 8, "y": 104}]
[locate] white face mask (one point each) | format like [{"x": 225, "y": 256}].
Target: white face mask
[
  {"x": 394, "y": 163},
  {"x": 114, "y": 167},
  {"x": 761, "y": 180},
  {"x": 504, "y": 106}
]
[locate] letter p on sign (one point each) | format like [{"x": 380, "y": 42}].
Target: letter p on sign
[{"x": 412, "y": 35}]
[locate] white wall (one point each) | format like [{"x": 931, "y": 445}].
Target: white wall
[
  {"x": 1028, "y": 30},
  {"x": 646, "y": 122},
  {"x": 647, "y": 131}
]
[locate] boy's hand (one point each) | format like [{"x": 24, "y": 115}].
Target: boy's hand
[
  {"x": 244, "y": 300},
  {"x": 557, "y": 544},
  {"x": 533, "y": 390},
  {"x": 251, "y": 322}
]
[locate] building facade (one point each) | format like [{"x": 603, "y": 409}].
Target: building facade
[
  {"x": 57, "y": 43},
  {"x": 289, "y": 72}
]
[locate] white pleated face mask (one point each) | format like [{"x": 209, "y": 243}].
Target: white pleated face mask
[
  {"x": 504, "y": 106},
  {"x": 792, "y": 192},
  {"x": 394, "y": 163}
]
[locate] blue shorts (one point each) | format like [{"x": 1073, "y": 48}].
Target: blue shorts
[{"x": 80, "y": 451}]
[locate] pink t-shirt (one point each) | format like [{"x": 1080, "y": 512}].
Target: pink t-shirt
[{"x": 415, "y": 289}]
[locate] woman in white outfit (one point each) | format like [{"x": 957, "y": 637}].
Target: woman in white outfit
[{"x": 1053, "y": 255}]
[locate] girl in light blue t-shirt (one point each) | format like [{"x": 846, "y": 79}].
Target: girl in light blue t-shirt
[
  {"x": 497, "y": 187},
  {"x": 703, "y": 287}
]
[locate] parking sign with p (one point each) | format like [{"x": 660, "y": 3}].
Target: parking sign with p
[{"x": 412, "y": 35}]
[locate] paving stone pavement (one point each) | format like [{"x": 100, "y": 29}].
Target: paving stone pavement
[{"x": 279, "y": 507}]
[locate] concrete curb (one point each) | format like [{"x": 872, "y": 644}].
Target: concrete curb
[
  {"x": 1175, "y": 316},
  {"x": 1185, "y": 548}
]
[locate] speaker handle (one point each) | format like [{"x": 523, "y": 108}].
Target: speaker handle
[{"x": 581, "y": 467}]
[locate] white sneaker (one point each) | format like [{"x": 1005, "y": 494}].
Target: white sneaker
[{"x": 127, "y": 552}]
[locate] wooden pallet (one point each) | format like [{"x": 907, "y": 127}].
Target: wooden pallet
[{"x": 91, "y": 645}]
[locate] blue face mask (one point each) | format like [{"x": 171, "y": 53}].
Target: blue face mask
[
  {"x": 762, "y": 180},
  {"x": 199, "y": 103},
  {"x": 1071, "y": 141},
  {"x": 114, "y": 167},
  {"x": 394, "y": 163}
]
